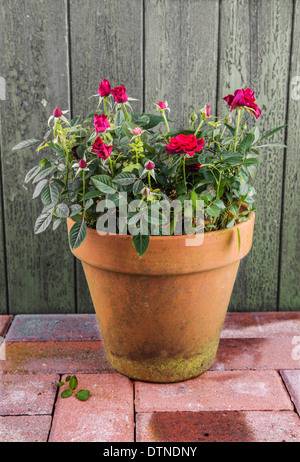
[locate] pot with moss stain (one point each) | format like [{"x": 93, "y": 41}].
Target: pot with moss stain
[{"x": 161, "y": 316}]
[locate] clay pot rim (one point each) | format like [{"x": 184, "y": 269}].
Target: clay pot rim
[{"x": 218, "y": 232}]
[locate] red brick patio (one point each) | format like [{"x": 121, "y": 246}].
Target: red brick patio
[{"x": 252, "y": 392}]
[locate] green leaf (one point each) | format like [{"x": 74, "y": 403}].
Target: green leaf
[
  {"x": 26, "y": 144},
  {"x": 39, "y": 188},
  {"x": 246, "y": 144},
  {"x": 62, "y": 211},
  {"x": 56, "y": 223},
  {"x": 231, "y": 224},
  {"x": 73, "y": 382},
  {"x": 66, "y": 393},
  {"x": 75, "y": 209},
  {"x": 68, "y": 378},
  {"x": 50, "y": 195},
  {"x": 271, "y": 145},
  {"x": 42, "y": 222},
  {"x": 239, "y": 238},
  {"x": 125, "y": 178},
  {"x": 104, "y": 184},
  {"x": 32, "y": 173},
  {"x": 220, "y": 204},
  {"x": 137, "y": 187},
  {"x": 141, "y": 243},
  {"x": 90, "y": 195},
  {"x": 213, "y": 211},
  {"x": 250, "y": 161},
  {"x": 77, "y": 234},
  {"x": 60, "y": 384},
  {"x": 82, "y": 395},
  {"x": 40, "y": 176},
  {"x": 244, "y": 189},
  {"x": 272, "y": 132}
]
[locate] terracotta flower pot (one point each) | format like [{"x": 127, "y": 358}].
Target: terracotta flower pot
[{"x": 161, "y": 316}]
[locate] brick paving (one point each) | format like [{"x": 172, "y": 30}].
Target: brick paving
[{"x": 251, "y": 393}]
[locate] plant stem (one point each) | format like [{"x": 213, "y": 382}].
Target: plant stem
[
  {"x": 166, "y": 122},
  {"x": 239, "y": 118},
  {"x": 199, "y": 126},
  {"x": 149, "y": 180},
  {"x": 126, "y": 112},
  {"x": 183, "y": 168},
  {"x": 104, "y": 104},
  {"x": 111, "y": 166}
]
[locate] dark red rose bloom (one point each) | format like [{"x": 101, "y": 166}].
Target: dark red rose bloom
[
  {"x": 102, "y": 150},
  {"x": 82, "y": 163},
  {"x": 243, "y": 98},
  {"x": 101, "y": 123},
  {"x": 57, "y": 113},
  {"x": 193, "y": 167},
  {"x": 119, "y": 94},
  {"x": 104, "y": 88},
  {"x": 185, "y": 144}
]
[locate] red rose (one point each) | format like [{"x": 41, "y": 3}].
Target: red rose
[
  {"x": 101, "y": 123},
  {"x": 82, "y": 163},
  {"x": 192, "y": 167},
  {"x": 185, "y": 144},
  {"x": 57, "y": 113},
  {"x": 243, "y": 98},
  {"x": 104, "y": 88},
  {"x": 102, "y": 150},
  {"x": 119, "y": 94}
]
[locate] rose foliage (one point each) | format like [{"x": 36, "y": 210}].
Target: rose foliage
[{"x": 116, "y": 154}]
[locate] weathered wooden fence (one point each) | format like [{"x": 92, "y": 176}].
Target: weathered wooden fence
[{"x": 54, "y": 53}]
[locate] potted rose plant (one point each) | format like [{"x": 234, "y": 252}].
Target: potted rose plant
[{"x": 160, "y": 219}]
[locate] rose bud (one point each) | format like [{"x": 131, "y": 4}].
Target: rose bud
[
  {"x": 104, "y": 88},
  {"x": 150, "y": 165},
  {"x": 137, "y": 131},
  {"x": 101, "y": 123},
  {"x": 145, "y": 191},
  {"x": 162, "y": 105},
  {"x": 57, "y": 113},
  {"x": 82, "y": 163}
]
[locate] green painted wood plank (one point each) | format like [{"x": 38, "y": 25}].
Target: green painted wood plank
[
  {"x": 255, "y": 47},
  {"x": 110, "y": 47},
  {"x": 290, "y": 252},
  {"x": 33, "y": 56},
  {"x": 181, "y": 46},
  {"x": 3, "y": 291}
]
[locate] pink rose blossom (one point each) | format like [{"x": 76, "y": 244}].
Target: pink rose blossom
[{"x": 137, "y": 131}]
